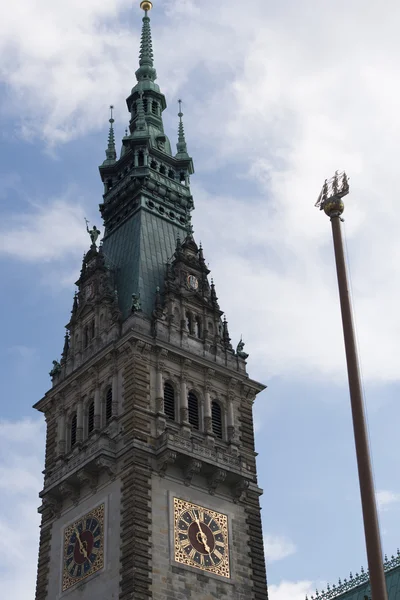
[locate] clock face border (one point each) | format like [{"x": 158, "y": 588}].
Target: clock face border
[
  {"x": 98, "y": 512},
  {"x": 223, "y": 568}
]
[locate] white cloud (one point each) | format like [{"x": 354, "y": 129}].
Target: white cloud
[
  {"x": 21, "y": 463},
  {"x": 277, "y": 547},
  {"x": 386, "y": 499},
  {"x": 49, "y": 231},
  {"x": 289, "y": 590}
]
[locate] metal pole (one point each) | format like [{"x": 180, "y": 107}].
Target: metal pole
[{"x": 368, "y": 501}]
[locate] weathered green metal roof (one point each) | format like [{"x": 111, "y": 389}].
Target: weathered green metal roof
[
  {"x": 138, "y": 253},
  {"x": 358, "y": 587}
]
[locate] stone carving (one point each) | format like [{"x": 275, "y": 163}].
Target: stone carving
[
  {"x": 239, "y": 350},
  {"x": 56, "y": 370},
  {"x": 193, "y": 467},
  {"x": 136, "y": 304},
  {"x": 240, "y": 489},
  {"x": 167, "y": 458},
  {"x": 106, "y": 464},
  {"x": 215, "y": 480}
]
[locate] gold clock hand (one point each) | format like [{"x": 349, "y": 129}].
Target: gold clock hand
[
  {"x": 202, "y": 535},
  {"x": 81, "y": 546}
]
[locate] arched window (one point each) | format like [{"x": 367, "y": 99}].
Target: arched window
[
  {"x": 109, "y": 399},
  {"x": 216, "y": 418},
  {"x": 169, "y": 401},
  {"x": 163, "y": 170},
  {"x": 193, "y": 405},
  {"x": 198, "y": 327},
  {"x": 91, "y": 418},
  {"x": 153, "y": 165},
  {"x": 73, "y": 430},
  {"x": 182, "y": 177},
  {"x": 171, "y": 174}
]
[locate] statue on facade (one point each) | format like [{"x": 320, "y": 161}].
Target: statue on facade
[
  {"x": 239, "y": 350},
  {"x": 136, "y": 304},
  {"x": 94, "y": 233},
  {"x": 56, "y": 370}
]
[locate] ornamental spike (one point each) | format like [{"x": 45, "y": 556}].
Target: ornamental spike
[
  {"x": 111, "y": 154},
  {"x": 181, "y": 145}
]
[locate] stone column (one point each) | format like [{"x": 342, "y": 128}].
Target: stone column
[
  {"x": 61, "y": 432},
  {"x": 184, "y": 403},
  {"x": 97, "y": 408},
  {"x": 230, "y": 419},
  {"x": 114, "y": 388},
  {"x": 79, "y": 421},
  {"x": 207, "y": 412},
  {"x": 159, "y": 392}
]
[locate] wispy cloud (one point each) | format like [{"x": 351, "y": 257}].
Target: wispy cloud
[
  {"x": 21, "y": 463},
  {"x": 50, "y": 231},
  {"x": 386, "y": 499},
  {"x": 277, "y": 547},
  {"x": 290, "y": 590}
]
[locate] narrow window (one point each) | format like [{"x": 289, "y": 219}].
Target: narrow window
[
  {"x": 92, "y": 331},
  {"x": 198, "y": 327},
  {"x": 189, "y": 322},
  {"x": 109, "y": 184},
  {"x": 109, "y": 405},
  {"x": 182, "y": 177},
  {"x": 141, "y": 159},
  {"x": 153, "y": 165},
  {"x": 171, "y": 174},
  {"x": 86, "y": 337},
  {"x": 91, "y": 417},
  {"x": 154, "y": 108},
  {"x": 145, "y": 104},
  {"x": 163, "y": 170},
  {"x": 193, "y": 406},
  {"x": 169, "y": 401},
  {"x": 216, "y": 417},
  {"x": 73, "y": 430}
]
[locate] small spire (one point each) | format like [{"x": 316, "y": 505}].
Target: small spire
[
  {"x": 146, "y": 69},
  {"x": 181, "y": 145},
  {"x": 111, "y": 154}
]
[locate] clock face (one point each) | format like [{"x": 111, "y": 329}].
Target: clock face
[
  {"x": 83, "y": 547},
  {"x": 193, "y": 282},
  {"x": 201, "y": 538}
]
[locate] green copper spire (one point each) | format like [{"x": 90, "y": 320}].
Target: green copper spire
[
  {"x": 111, "y": 155},
  {"x": 146, "y": 70},
  {"x": 181, "y": 145}
]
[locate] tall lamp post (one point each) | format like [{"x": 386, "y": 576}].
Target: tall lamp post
[{"x": 330, "y": 201}]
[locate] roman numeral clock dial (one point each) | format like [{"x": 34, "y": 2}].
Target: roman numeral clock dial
[
  {"x": 201, "y": 538},
  {"x": 83, "y": 547}
]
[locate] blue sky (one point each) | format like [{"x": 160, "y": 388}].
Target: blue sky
[{"x": 276, "y": 98}]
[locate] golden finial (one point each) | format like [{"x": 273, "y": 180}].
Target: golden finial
[{"x": 146, "y": 5}]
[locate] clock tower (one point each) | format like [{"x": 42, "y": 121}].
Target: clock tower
[{"x": 150, "y": 484}]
